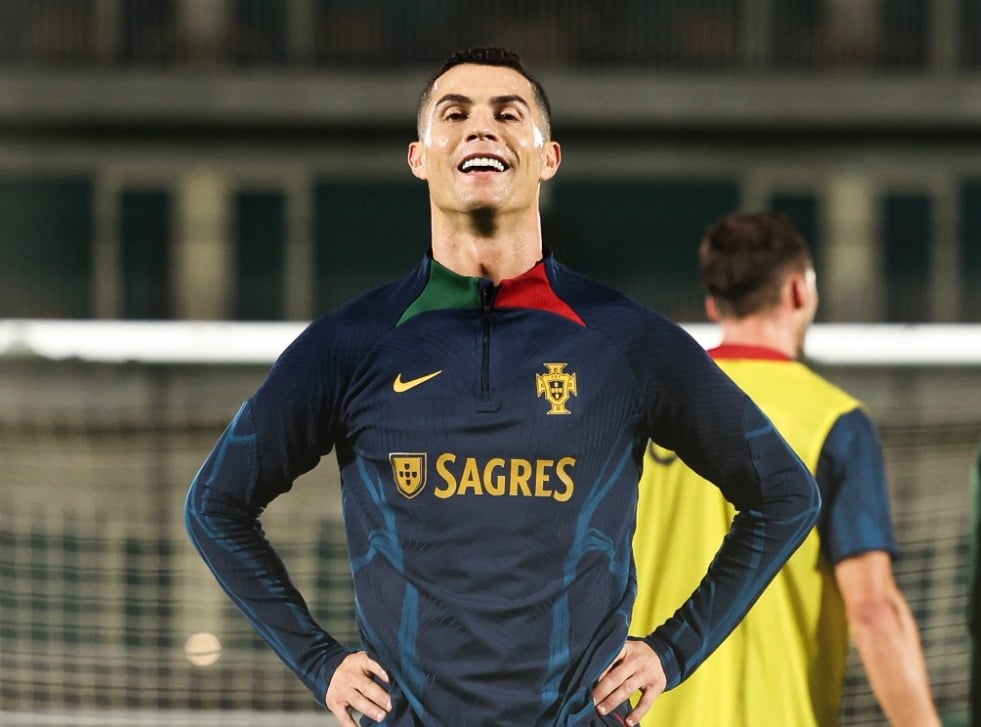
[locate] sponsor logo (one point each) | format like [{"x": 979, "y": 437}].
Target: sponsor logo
[
  {"x": 556, "y": 386},
  {"x": 497, "y": 477},
  {"x": 400, "y": 387},
  {"x": 409, "y": 471}
]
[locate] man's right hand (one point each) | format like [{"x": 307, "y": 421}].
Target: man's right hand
[{"x": 352, "y": 687}]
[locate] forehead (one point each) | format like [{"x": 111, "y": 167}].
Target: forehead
[{"x": 480, "y": 83}]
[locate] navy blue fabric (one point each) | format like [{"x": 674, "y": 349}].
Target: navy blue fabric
[
  {"x": 855, "y": 517},
  {"x": 499, "y": 590}
]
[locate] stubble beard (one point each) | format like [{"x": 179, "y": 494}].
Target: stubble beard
[{"x": 484, "y": 221}]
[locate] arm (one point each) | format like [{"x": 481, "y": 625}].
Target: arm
[
  {"x": 279, "y": 434},
  {"x": 700, "y": 414},
  {"x": 221, "y": 514},
  {"x": 777, "y": 504},
  {"x": 887, "y": 639},
  {"x": 857, "y": 536}
]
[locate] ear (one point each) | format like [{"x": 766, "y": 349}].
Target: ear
[
  {"x": 711, "y": 309},
  {"x": 552, "y": 158},
  {"x": 797, "y": 290},
  {"x": 416, "y": 158}
]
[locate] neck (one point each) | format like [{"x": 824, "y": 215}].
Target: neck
[
  {"x": 487, "y": 246},
  {"x": 762, "y": 331}
]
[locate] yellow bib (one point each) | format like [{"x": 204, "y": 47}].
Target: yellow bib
[{"x": 783, "y": 666}]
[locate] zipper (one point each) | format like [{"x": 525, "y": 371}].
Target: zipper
[{"x": 487, "y": 294}]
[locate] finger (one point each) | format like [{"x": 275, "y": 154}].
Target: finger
[
  {"x": 373, "y": 667},
  {"x": 342, "y": 713},
  {"x": 611, "y": 678},
  {"x": 608, "y": 684},
  {"x": 643, "y": 706},
  {"x": 615, "y": 698},
  {"x": 615, "y": 662},
  {"x": 368, "y": 707},
  {"x": 370, "y": 697},
  {"x": 375, "y": 694},
  {"x": 352, "y": 686}
]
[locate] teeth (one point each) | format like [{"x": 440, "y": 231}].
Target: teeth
[{"x": 483, "y": 162}]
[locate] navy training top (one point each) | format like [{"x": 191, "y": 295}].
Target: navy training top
[{"x": 490, "y": 440}]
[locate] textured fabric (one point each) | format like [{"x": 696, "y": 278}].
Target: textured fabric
[
  {"x": 784, "y": 664},
  {"x": 856, "y": 516},
  {"x": 490, "y": 440}
]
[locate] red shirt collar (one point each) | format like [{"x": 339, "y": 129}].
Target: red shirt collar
[
  {"x": 739, "y": 350},
  {"x": 532, "y": 289}
]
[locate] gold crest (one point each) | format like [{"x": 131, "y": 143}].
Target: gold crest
[
  {"x": 409, "y": 471},
  {"x": 556, "y": 386}
]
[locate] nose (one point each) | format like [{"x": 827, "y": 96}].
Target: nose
[
  {"x": 481, "y": 126},
  {"x": 481, "y": 134}
]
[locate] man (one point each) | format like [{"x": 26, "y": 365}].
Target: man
[
  {"x": 489, "y": 414},
  {"x": 784, "y": 664}
]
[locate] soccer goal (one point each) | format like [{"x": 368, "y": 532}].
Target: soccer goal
[{"x": 108, "y": 616}]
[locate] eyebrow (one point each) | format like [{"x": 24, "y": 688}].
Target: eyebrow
[{"x": 495, "y": 101}]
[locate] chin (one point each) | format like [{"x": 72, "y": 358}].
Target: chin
[
  {"x": 481, "y": 208},
  {"x": 481, "y": 200}
]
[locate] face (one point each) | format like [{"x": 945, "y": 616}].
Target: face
[{"x": 483, "y": 144}]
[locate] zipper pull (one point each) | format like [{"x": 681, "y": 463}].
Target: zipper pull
[{"x": 487, "y": 295}]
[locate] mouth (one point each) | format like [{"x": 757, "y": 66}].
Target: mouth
[{"x": 483, "y": 163}]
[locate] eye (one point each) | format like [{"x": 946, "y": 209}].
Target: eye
[
  {"x": 507, "y": 115},
  {"x": 454, "y": 115}
]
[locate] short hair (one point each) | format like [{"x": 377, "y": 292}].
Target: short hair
[
  {"x": 487, "y": 57},
  {"x": 744, "y": 258}
]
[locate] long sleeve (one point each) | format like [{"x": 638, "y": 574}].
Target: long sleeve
[
  {"x": 721, "y": 434},
  {"x": 222, "y": 519},
  {"x": 282, "y": 431}
]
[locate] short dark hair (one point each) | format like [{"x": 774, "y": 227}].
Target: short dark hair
[
  {"x": 744, "y": 257},
  {"x": 488, "y": 57}
]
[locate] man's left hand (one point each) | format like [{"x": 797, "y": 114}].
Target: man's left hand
[{"x": 636, "y": 668}]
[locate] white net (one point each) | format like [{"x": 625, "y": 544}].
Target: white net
[{"x": 108, "y": 616}]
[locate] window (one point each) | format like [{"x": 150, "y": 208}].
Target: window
[
  {"x": 970, "y": 34},
  {"x": 260, "y": 237},
  {"x": 970, "y": 249},
  {"x": 259, "y": 35},
  {"x": 149, "y": 31},
  {"x": 145, "y": 232},
  {"x": 907, "y": 230},
  {"x": 45, "y": 247}
]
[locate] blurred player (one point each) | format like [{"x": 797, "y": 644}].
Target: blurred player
[
  {"x": 489, "y": 413},
  {"x": 784, "y": 664},
  {"x": 974, "y": 614}
]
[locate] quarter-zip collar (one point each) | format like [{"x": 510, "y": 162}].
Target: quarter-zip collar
[{"x": 446, "y": 289}]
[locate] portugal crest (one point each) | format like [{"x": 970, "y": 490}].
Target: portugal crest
[
  {"x": 409, "y": 471},
  {"x": 556, "y": 386}
]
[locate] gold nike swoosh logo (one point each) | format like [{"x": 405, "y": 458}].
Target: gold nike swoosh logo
[{"x": 400, "y": 387}]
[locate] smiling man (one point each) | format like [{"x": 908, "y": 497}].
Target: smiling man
[
  {"x": 489, "y": 413},
  {"x": 484, "y": 148}
]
